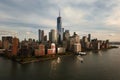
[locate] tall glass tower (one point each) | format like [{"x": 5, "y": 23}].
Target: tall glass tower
[{"x": 59, "y": 27}]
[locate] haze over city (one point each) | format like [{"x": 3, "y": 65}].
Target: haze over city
[{"x": 23, "y": 18}]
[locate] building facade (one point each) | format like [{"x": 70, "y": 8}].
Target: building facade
[
  {"x": 7, "y": 42},
  {"x": 53, "y": 36},
  {"x": 15, "y": 46},
  {"x": 41, "y": 35},
  {"x": 40, "y": 51},
  {"x": 59, "y": 28}
]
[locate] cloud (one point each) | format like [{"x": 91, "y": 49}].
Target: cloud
[
  {"x": 83, "y": 16},
  {"x": 114, "y": 18}
]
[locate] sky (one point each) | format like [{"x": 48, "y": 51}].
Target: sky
[{"x": 23, "y": 18}]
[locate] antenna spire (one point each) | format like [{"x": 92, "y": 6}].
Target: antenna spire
[{"x": 59, "y": 12}]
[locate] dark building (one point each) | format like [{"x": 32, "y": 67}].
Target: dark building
[
  {"x": 45, "y": 38},
  {"x": 41, "y": 35},
  {"x": 15, "y": 45},
  {"x": 0, "y": 44},
  {"x": 84, "y": 42},
  {"x": 7, "y": 42},
  {"x": 8, "y": 38},
  {"x": 66, "y": 35},
  {"x": 50, "y": 36},
  {"x": 59, "y": 28},
  {"x": 53, "y": 36},
  {"x": 89, "y": 37}
]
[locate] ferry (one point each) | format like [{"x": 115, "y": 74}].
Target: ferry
[
  {"x": 80, "y": 58},
  {"x": 81, "y": 53}
]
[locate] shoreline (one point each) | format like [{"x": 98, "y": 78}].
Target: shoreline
[
  {"x": 25, "y": 60},
  {"x": 41, "y": 58}
]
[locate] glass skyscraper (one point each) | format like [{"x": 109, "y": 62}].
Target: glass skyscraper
[{"x": 59, "y": 28}]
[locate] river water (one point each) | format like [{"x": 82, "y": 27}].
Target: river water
[{"x": 102, "y": 65}]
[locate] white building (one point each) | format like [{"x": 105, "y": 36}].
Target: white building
[
  {"x": 77, "y": 47},
  {"x": 60, "y": 50}
]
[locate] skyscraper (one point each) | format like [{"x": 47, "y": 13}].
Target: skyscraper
[
  {"x": 15, "y": 45},
  {"x": 62, "y": 31},
  {"x": 66, "y": 35},
  {"x": 89, "y": 37},
  {"x": 59, "y": 27},
  {"x": 53, "y": 36},
  {"x": 7, "y": 42},
  {"x": 41, "y": 35}
]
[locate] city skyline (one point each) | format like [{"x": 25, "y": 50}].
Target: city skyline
[{"x": 23, "y": 18}]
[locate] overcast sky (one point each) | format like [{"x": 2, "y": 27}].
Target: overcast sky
[{"x": 23, "y": 18}]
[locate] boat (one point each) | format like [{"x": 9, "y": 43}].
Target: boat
[
  {"x": 81, "y": 53},
  {"x": 80, "y": 58}
]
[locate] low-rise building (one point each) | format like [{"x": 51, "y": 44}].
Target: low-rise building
[
  {"x": 77, "y": 47},
  {"x": 15, "y": 45},
  {"x": 0, "y": 44},
  {"x": 40, "y": 51},
  {"x": 52, "y": 49},
  {"x": 61, "y": 50}
]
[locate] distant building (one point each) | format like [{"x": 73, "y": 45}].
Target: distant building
[
  {"x": 77, "y": 47},
  {"x": 85, "y": 43},
  {"x": 53, "y": 36},
  {"x": 6, "y": 45},
  {"x": 71, "y": 44},
  {"x": 0, "y": 44},
  {"x": 107, "y": 44},
  {"x": 61, "y": 50},
  {"x": 85, "y": 39},
  {"x": 27, "y": 48},
  {"x": 75, "y": 39},
  {"x": 41, "y": 35},
  {"x": 62, "y": 32},
  {"x": 15, "y": 45},
  {"x": 45, "y": 38},
  {"x": 96, "y": 45},
  {"x": 66, "y": 39},
  {"x": 9, "y": 38},
  {"x": 65, "y": 44},
  {"x": 40, "y": 51},
  {"x": 50, "y": 36},
  {"x": 66, "y": 35},
  {"x": 89, "y": 37},
  {"x": 52, "y": 49},
  {"x": 7, "y": 42},
  {"x": 59, "y": 28}
]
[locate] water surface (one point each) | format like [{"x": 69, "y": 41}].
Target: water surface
[{"x": 102, "y": 65}]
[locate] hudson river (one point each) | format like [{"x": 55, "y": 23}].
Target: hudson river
[{"x": 102, "y": 65}]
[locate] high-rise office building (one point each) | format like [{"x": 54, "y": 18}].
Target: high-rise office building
[
  {"x": 7, "y": 42},
  {"x": 62, "y": 32},
  {"x": 8, "y": 38},
  {"x": 52, "y": 49},
  {"x": 66, "y": 35},
  {"x": 50, "y": 36},
  {"x": 41, "y": 35},
  {"x": 74, "y": 43},
  {"x": 53, "y": 36},
  {"x": 45, "y": 38},
  {"x": 89, "y": 37},
  {"x": 15, "y": 45},
  {"x": 77, "y": 47},
  {"x": 85, "y": 39},
  {"x": 40, "y": 51},
  {"x": 0, "y": 44},
  {"x": 59, "y": 28}
]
